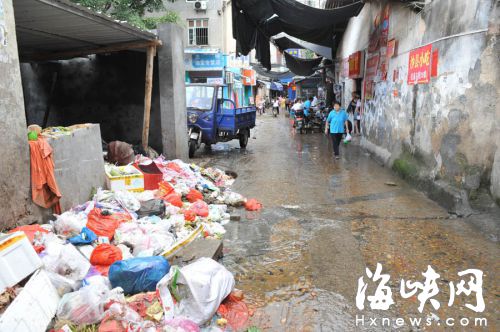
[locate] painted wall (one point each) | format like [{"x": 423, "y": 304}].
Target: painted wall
[
  {"x": 103, "y": 89},
  {"x": 447, "y": 129},
  {"x": 15, "y": 195}
]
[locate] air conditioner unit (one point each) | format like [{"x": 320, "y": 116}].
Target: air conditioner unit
[{"x": 200, "y": 5}]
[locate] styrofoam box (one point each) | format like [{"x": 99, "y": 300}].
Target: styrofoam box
[
  {"x": 18, "y": 259},
  {"x": 133, "y": 182},
  {"x": 33, "y": 309}
]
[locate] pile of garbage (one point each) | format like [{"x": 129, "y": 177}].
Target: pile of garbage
[{"x": 108, "y": 259}]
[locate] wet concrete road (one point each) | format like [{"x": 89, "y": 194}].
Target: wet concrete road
[{"x": 324, "y": 221}]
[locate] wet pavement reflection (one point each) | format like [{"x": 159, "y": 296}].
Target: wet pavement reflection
[{"x": 324, "y": 221}]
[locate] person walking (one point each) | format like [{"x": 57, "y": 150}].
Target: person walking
[
  {"x": 335, "y": 124},
  {"x": 276, "y": 106}
]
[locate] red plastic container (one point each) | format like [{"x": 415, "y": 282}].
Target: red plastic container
[{"x": 152, "y": 175}]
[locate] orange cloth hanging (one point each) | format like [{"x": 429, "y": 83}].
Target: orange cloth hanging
[{"x": 44, "y": 190}]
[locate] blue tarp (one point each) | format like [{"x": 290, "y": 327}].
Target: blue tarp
[{"x": 276, "y": 86}]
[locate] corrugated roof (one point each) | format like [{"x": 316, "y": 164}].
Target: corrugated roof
[{"x": 48, "y": 26}]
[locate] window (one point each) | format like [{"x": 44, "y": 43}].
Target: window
[{"x": 197, "y": 32}]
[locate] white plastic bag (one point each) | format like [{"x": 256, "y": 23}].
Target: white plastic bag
[
  {"x": 202, "y": 286},
  {"x": 65, "y": 260},
  {"x": 347, "y": 138},
  {"x": 85, "y": 306},
  {"x": 70, "y": 223}
]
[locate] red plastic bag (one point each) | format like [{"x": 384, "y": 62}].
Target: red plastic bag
[
  {"x": 174, "y": 167},
  {"x": 253, "y": 205},
  {"x": 105, "y": 254},
  {"x": 105, "y": 225},
  {"x": 235, "y": 311},
  {"x": 30, "y": 231},
  {"x": 200, "y": 208},
  {"x": 165, "y": 188},
  {"x": 174, "y": 199},
  {"x": 189, "y": 216},
  {"x": 194, "y": 195}
]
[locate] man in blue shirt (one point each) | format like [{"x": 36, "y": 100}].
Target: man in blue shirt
[
  {"x": 336, "y": 124},
  {"x": 307, "y": 106}
]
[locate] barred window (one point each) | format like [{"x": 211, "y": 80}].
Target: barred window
[{"x": 197, "y": 32}]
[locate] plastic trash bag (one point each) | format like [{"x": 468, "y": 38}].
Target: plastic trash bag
[
  {"x": 62, "y": 284},
  {"x": 217, "y": 212},
  {"x": 34, "y": 234},
  {"x": 253, "y": 205},
  {"x": 65, "y": 260},
  {"x": 127, "y": 200},
  {"x": 174, "y": 199},
  {"x": 85, "y": 306},
  {"x": 86, "y": 236},
  {"x": 347, "y": 138},
  {"x": 235, "y": 311},
  {"x": 232, "y": 199},
  {"x": 200, "y": 208},
  {"x": 120, "y": 317},
  {"x": 194, "y": 195},
  {"x": 103, "y": 224},
  {"x": 200, "y": 288},
  {"x": 189, "y": 216},
  {"x": 70, "y": 223},
  {"x": 154, "y": 207},
  {"x": 105, "y": 254},
  {"x": 137, "y": 275},
  {"x": 145, "y": 237},
  {"x": 180, "y": 325}
]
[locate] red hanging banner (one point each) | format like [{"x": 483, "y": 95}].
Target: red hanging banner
[
  {"x": 434, "y": 63},
  {"x": 419, "y": 68}
]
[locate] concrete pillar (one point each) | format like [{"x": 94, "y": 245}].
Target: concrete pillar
[
  {"x": 16, "y": 206},
  {"x": 172, "y": 91}
]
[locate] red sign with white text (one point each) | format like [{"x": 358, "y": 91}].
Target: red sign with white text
[{"x": 419, "y": 65}]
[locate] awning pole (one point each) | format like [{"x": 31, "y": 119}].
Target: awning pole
[{"x": 147, "y": 96}]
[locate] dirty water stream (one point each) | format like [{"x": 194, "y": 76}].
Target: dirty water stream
[{"x": 324, "y": 221}]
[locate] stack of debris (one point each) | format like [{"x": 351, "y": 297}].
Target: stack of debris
[{"x": 106, "y": 265}]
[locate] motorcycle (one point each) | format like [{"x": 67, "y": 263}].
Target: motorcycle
[
  {"x": 300, "y": 123},
  {"x": 275, "y": 111}
]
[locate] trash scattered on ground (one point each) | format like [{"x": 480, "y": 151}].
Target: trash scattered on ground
[
  {"x": 393, "y": 184},
  {"x": 107, "y": 261}
]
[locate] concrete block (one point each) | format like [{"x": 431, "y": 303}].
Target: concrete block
[
  {"x": 79, "y": 164},
  {"x": 200, "y": 247},
  {"x": 172, "y": 91}
]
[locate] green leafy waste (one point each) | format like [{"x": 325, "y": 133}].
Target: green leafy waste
[{"x": 132, "y": 11}]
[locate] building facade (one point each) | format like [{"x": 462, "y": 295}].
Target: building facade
[
  {"x": 430, "y": 90},
  {"x": 209, "y": 55}
]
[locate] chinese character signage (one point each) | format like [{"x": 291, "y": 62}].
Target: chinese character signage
[
  {"x": 248, "y": 77},
  {"x": 419, "y": 69},
  {"x": 355, "y": 65},
  {"x": 434, "y": 63},
  {"x": 391, "y": 48},
  {"x": 200, "y": 61}
]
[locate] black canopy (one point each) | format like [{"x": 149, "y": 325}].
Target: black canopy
[
  {"x": 266, "y": 18},
  {"x": 302, "y": 67}
]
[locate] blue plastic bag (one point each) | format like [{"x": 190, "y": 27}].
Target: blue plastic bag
[
  {"x": 137, "y": 275},
  {"x": 86, "y": 236}
]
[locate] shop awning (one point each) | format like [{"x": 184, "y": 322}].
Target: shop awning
[
  {"x": 276, "y": 86},
  {"x": 60, "y": 29}
]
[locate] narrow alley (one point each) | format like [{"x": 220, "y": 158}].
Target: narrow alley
[{"x": 324, "y": 220}]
